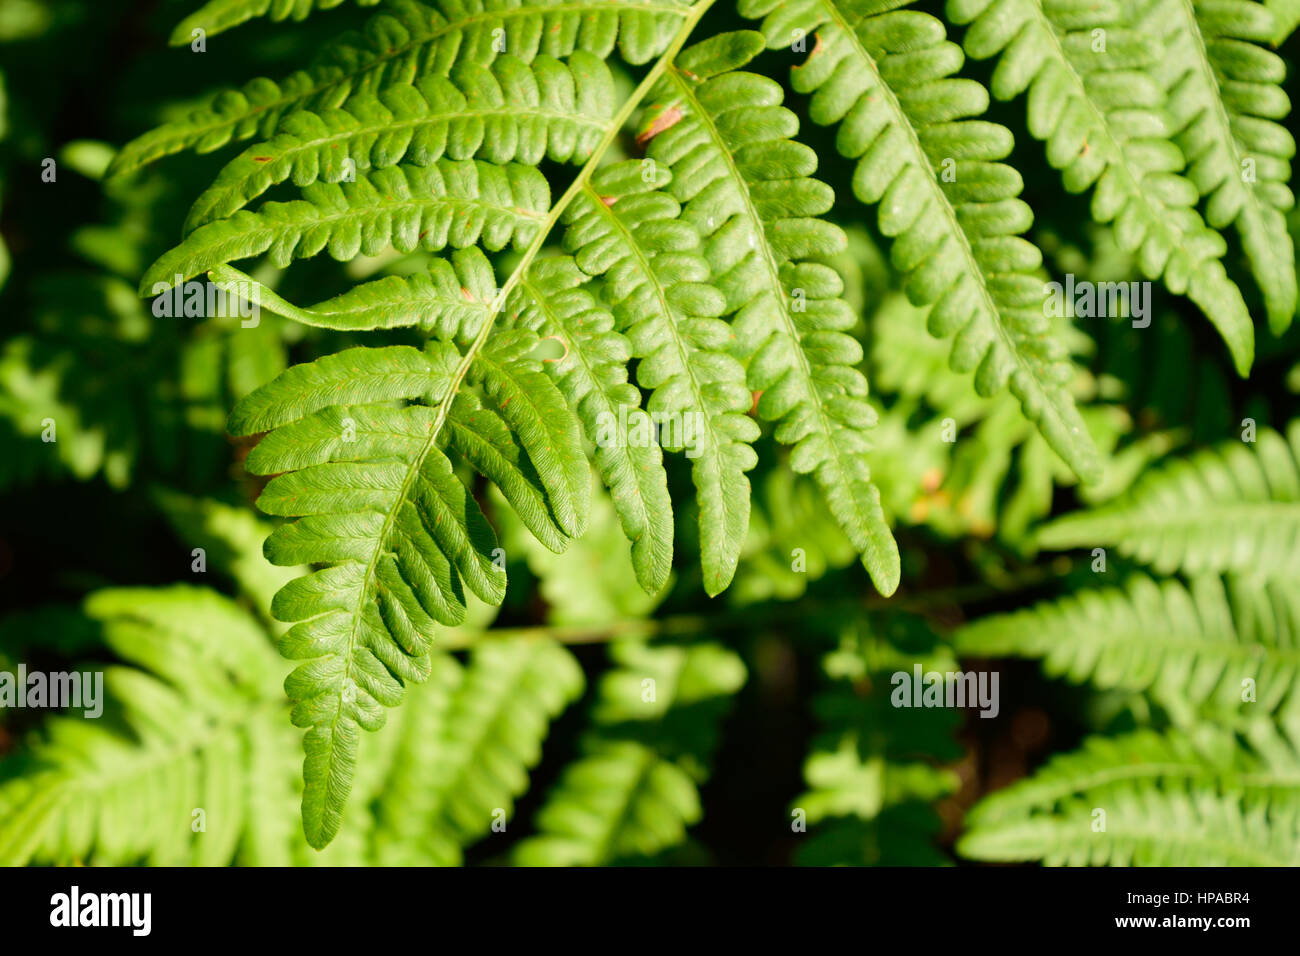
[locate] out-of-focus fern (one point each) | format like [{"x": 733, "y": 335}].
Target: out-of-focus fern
[
  {"x": 1233, "y": 508},
  {"x": 1147, "y": 799},
  {"x": 1228, "y": 652},
  {"x": 872, "y": 772},
  {"x": 633, "y": 793}
]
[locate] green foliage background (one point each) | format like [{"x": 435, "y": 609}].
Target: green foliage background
[{"x": 770, "y": 738}]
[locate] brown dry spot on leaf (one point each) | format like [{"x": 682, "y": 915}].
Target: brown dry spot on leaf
[{"x": 665, "y": 120}]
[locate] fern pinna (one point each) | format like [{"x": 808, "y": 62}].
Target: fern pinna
[{"x": 672, "y": 290}]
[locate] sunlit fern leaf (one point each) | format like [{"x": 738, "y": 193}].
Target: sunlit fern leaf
[
  {"x": 1167, "y": 801},
  {"x": 592, "y": 374},
  {"x": 510, "y": 111},
  {"x": 122, "y": 791},
  {"x": 1232, "y": 508},
  {"x": 1194, "y": 650},
  {"x": 1096, "y": 101},
  {"x": 407, "y": 41},
  {"x": 217, "y": 16},
  {"x": 746, "y": 186},
  {"x": 1225, "y": 97},
  {"x": 1286, "y": 17},
  {"x": 450, "y": 203},
  {"x": 884, "y": 76},
  {"x": 452, "y": 300},
  {"x": 378, "y": 501},
  {"x": 653, "y": 275},
  {"x": 633, "y": 793}
]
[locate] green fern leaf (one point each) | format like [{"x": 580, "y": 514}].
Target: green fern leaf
[
  {"x": 1192, "y": 650},
  {"x": 217, "y": 16},
  {"x": 592, "y": 374},
  {"x": 1101, "y": 111},
  {"x": 511, "y": 112},
  {"x": 451, "y": 203},
  {"x": 1225, "y": 96},
  {"x": 120, "y": 792},
  {"x": 624, "y": 230},
  {"x": 1235, "y": 508},
  {"x": 407, "y": 42},
  {"x": 1168, "y": 801},
  {"x": 745, "y": 186},
  {"x": 377, "y": 500},
  {"x": 634, "y": 792},
  {"x": 885, "y": 76}
]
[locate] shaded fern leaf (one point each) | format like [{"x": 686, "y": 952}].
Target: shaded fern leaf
[
  {"x": 1192, "y": 649},
  {"x": 1225, "y": 97},
  {"x": 203, "y": 695},
  {"x": 746, "y": 186},
  {"x": 510, "y": 111},
  {"x": 633, "y": 793},
  {"x": 871, "y": 770},
  {"x": 217, "y": 16},
  {"x": 451, "y": 203},
  {"x": 1097, "y": 102},
  {"x": 377, "y": 501},
  {"x": 408, "y": 41},
  {"x": 1170, "y": 800},
  {"x": 1234, "y": 508},
  {"x": 885, "y": 77}
]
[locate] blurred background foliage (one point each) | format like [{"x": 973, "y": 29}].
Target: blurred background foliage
[{"x": 772, "y": 702}]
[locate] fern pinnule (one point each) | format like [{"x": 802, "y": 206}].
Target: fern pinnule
[
  {"x": 405, "y": 42},
  {"x": 450, "y": 203},
  {"x": 746, "y": 186},
  {"x": 511, "y": 111},
  {"x": 217, "y": 16},
  {"x": 1233, "y": 508},
  {"x": 884, "y": 77},
  {"x": 1097, "y": 102}
]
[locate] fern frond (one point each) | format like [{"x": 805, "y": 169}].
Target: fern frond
[
  {"x": 1167, "y": 801},
  {"x": 218, "y": 16},
  {"x": 1225, "y": 97},
  {"x": 634, "y": 792},
  {"x": 1234, "y": 508},
  {"x": 1193, "y": 650},
  {"x": 378, "y": 501},
  {"x": 407, "y": 42},
  {"x": 450, "y": 203},
  {"x": 592, "y": 374},
  {"x": 871, "y": 761},
  {"x": 469, "y": 736},
  {"x": 745, "y": 185},
  {"x": 1101, "y": 111},
  {"x": 511, "y": 111},
  {"x": 885, "y": 77},
  {"x": 208, "y": 692},
  {"x": 656, "y": 281}
]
